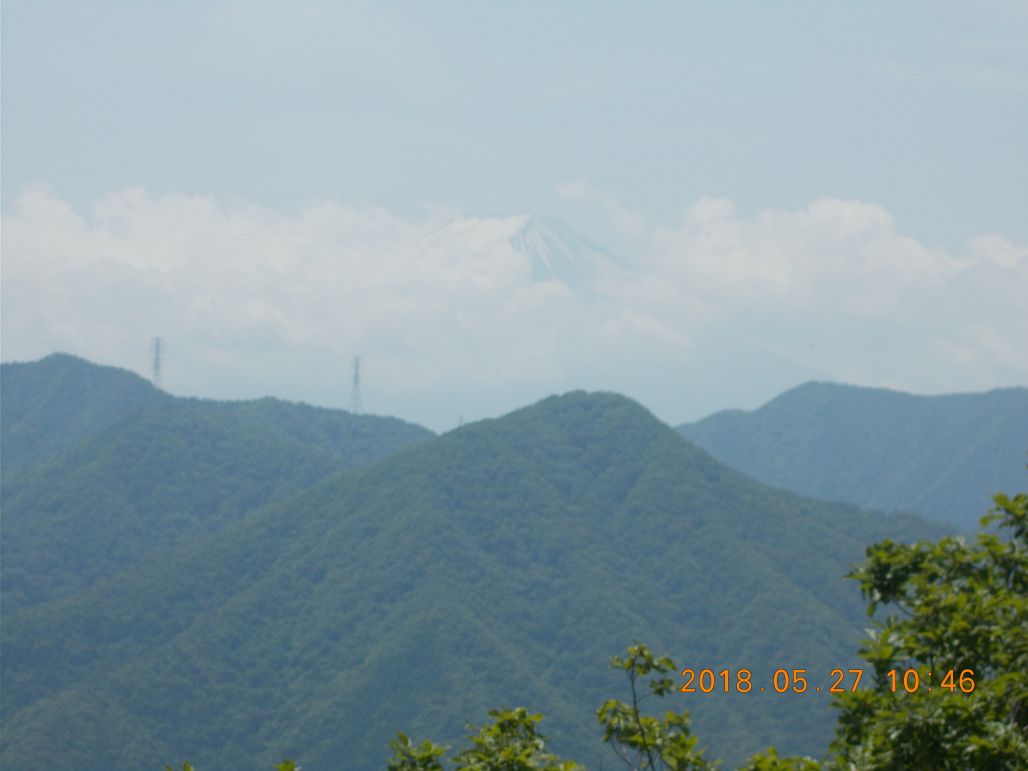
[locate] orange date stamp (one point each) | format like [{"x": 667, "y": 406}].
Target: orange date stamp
[{"x": 838, "y": 681}]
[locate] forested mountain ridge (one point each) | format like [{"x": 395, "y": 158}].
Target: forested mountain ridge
[
  {"x": 51, "y": 404},
  {"x": 500, "y": 563},
  {"x": 118, "y": 488},
  {"x": 939, "y": 456}
]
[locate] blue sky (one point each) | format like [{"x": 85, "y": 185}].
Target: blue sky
[{"x": 124, "y": 122}]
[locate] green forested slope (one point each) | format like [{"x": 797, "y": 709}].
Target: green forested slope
[
  {"x": 164, "y": 472},
  {"x": 353, "y": 439},
  {"x": 939, "y": 456},
  {"x": 49, "y": 405},
  {"x": 499, "y": 564}
]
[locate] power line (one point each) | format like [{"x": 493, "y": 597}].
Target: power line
[
  {"x": 156, "y": 348},
  {"x": 356, "y": 403}
]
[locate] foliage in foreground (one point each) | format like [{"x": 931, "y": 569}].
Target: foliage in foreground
[
  {"x": 955, "y": 608},
  {"x": 511, "y": 742}
]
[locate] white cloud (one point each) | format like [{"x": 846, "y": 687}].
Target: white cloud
[
  {"x": 835, "y": 255},
  {"x": 623, "y": 218},
  {"x": 997, "y": 249},
  {"x": 253, "y": 300}
]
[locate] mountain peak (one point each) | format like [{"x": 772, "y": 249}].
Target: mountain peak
[
  {"x": 556, "y": 252},
  {"x": 579, "y": 410},
  {"x": 878, "y": 448},
  {"x": 466, "y": 559},
  {"x": 52, "y": 403}
]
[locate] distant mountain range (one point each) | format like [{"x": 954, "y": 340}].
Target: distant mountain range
[
  {"x": 943, "y": 457},
  {"x": 238, "y": 582}
]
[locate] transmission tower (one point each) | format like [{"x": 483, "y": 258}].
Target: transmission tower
[
  {"x": 155, "y": 377},
  {"x": 356, "y": 404}
]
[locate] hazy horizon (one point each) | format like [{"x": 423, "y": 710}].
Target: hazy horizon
[{"x": 786, "y": 193}]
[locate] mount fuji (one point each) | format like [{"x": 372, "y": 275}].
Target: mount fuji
[{"x": 556, "y": 252}]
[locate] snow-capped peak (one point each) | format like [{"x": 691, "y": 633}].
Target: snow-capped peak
[{"x": 555, "y": 250}]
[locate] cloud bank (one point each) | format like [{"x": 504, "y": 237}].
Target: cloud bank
[{"x": 712, "y": 310}]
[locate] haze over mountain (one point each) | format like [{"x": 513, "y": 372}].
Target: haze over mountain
[
  {"x": 758, "y": 254},
  {"x": 102, "y": 470},
  {"x": 51, "y": 404},
  {"x": 501, "y": 563},
  {"x": 940, "y": 456},
  {"x": 782, "y": 192},
  {"x": 555, "y": 251}
]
